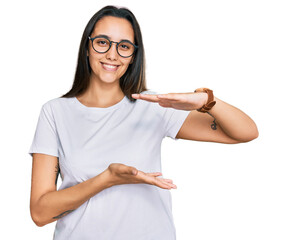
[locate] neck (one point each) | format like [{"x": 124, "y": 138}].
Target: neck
[{"x": 102, "y": 94}]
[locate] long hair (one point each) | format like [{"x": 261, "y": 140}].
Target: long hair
[{"x": 133, "y": 80}]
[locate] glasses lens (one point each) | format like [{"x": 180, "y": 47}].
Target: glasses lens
[
  {"x": 125, "y": 49},
  {"x": 101, "y": 44}
]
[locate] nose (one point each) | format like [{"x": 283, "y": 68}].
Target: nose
[{"x": 112, "y": 53}]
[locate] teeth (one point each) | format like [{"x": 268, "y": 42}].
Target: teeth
[{"x": 110, "y": 66}]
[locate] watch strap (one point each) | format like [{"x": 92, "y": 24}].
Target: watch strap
[{"x": 210, "y": 101}]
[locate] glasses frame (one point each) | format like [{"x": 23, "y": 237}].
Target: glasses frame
[{"x": 117, "y": 44}]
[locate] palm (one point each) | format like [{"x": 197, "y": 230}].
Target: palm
[
  {"x": 122, "y": 175},
  {"x": 153, "y": 178},
  {"x": 182, "y": 101}
]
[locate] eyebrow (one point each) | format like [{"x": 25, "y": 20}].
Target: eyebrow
[{"x": 106, "y": 36}]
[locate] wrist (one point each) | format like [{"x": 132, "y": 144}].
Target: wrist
[
  {"x": 107, "y": 179},
  {"x": 215, "y": 106},
  {"x": 209, "y": 102}
]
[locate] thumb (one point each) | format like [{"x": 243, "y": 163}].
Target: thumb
[{"x": 133, "y": 171}]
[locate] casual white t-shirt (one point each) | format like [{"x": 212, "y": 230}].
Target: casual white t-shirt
[{"x": 86, "y": 140}]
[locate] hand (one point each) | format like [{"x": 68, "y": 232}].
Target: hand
[
  {"x": 123, "y": 174},
  {"x": 182, "y": 101}
]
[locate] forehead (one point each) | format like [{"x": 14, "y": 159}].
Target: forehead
[{"x": 114, "y": 27}]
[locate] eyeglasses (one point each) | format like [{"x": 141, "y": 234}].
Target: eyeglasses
[{"x": 125, "y": 48}]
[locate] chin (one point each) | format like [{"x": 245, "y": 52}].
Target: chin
[{"x": 108, "y": 79}]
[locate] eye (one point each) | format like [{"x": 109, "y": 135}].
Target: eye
[
  {"x": 125, "y": 46},
  {"x": 101, "y": 42}
]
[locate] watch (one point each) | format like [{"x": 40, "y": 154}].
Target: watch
[{"x": 210, "y": 101}]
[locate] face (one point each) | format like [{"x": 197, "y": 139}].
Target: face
[{"x": 110, "y": 66}]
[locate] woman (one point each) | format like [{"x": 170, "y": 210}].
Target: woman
[{"x": 104, "y": 138}]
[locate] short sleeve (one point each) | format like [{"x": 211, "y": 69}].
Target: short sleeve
[
  {"x": 45, "y": 138},
  {"x": 173, "y": 120}
]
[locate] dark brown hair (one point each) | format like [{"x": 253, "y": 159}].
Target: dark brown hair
[{"x": 133, "y": 80}]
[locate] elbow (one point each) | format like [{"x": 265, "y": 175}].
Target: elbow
[
  {"x": 249, "y": 139},
  {"x": 37, "y": 218},
  {"x": 246, "y": 136},
  {"x": 254, "y": 133},
  {"x": 250, "y": 136},
  {"x": 37, "y": 221},
  {"x": 39, "y": 224},
  {"x": 250, "y": 133}
]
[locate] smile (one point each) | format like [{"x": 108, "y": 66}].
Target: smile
[{"x": 109, "y": 67}]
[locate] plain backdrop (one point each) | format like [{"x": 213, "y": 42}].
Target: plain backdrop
[{"x": 236, "y": 48}]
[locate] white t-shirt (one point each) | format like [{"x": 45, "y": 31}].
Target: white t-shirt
[{"x": 86, "y": 140}]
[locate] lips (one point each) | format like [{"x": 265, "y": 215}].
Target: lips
[{"x": 109, "y": 67}]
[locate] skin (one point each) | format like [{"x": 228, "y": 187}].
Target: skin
[
  {"x": 232, "y": 126},
  {"x": 104, "y": 89},
  {"x": 224, "y": 123},
  {"x": 47, "y": 204}
]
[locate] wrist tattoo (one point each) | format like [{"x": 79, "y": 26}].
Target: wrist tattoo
[
  {"x": 214, "y": 124},
  {"x": 63, "y": 214}
]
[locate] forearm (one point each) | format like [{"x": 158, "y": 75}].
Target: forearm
[
  {"x": 56, "y": 204},
  {"x": 235, "y": 123}
]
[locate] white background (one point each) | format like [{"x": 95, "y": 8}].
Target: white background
[{"x": 236, "y": 48}]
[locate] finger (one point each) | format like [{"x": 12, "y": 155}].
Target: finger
[
  {"x": 171, "y": 100},
  {"x": 166, "y": 184},
  {"x": 147, "y": 97},
  {"x": 163, "y": 185},
  {"x": 169, "y": 96},
  {"x": 170, "y": 186},
  {"x": 168, "y": 180},
  {"x": 134, "y": 171},
  {"x": 131, "y": 170},
  {"x": 155, "y": 174}
]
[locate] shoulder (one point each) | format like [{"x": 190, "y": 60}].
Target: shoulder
[
  {"x": 54, "y": 102},
  {"x": 54, "y": 109},
  {"x": 55, "y": 106}
]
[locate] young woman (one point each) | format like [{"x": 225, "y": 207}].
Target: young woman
[{"x": 105, "y": 141}]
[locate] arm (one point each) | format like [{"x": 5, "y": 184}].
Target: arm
[
  {"x": 234, "y": 122},
  {"x": 47, "y": 204},
  {"x": 227, "y": 124},
  {"x": 232, "y": 125}
]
